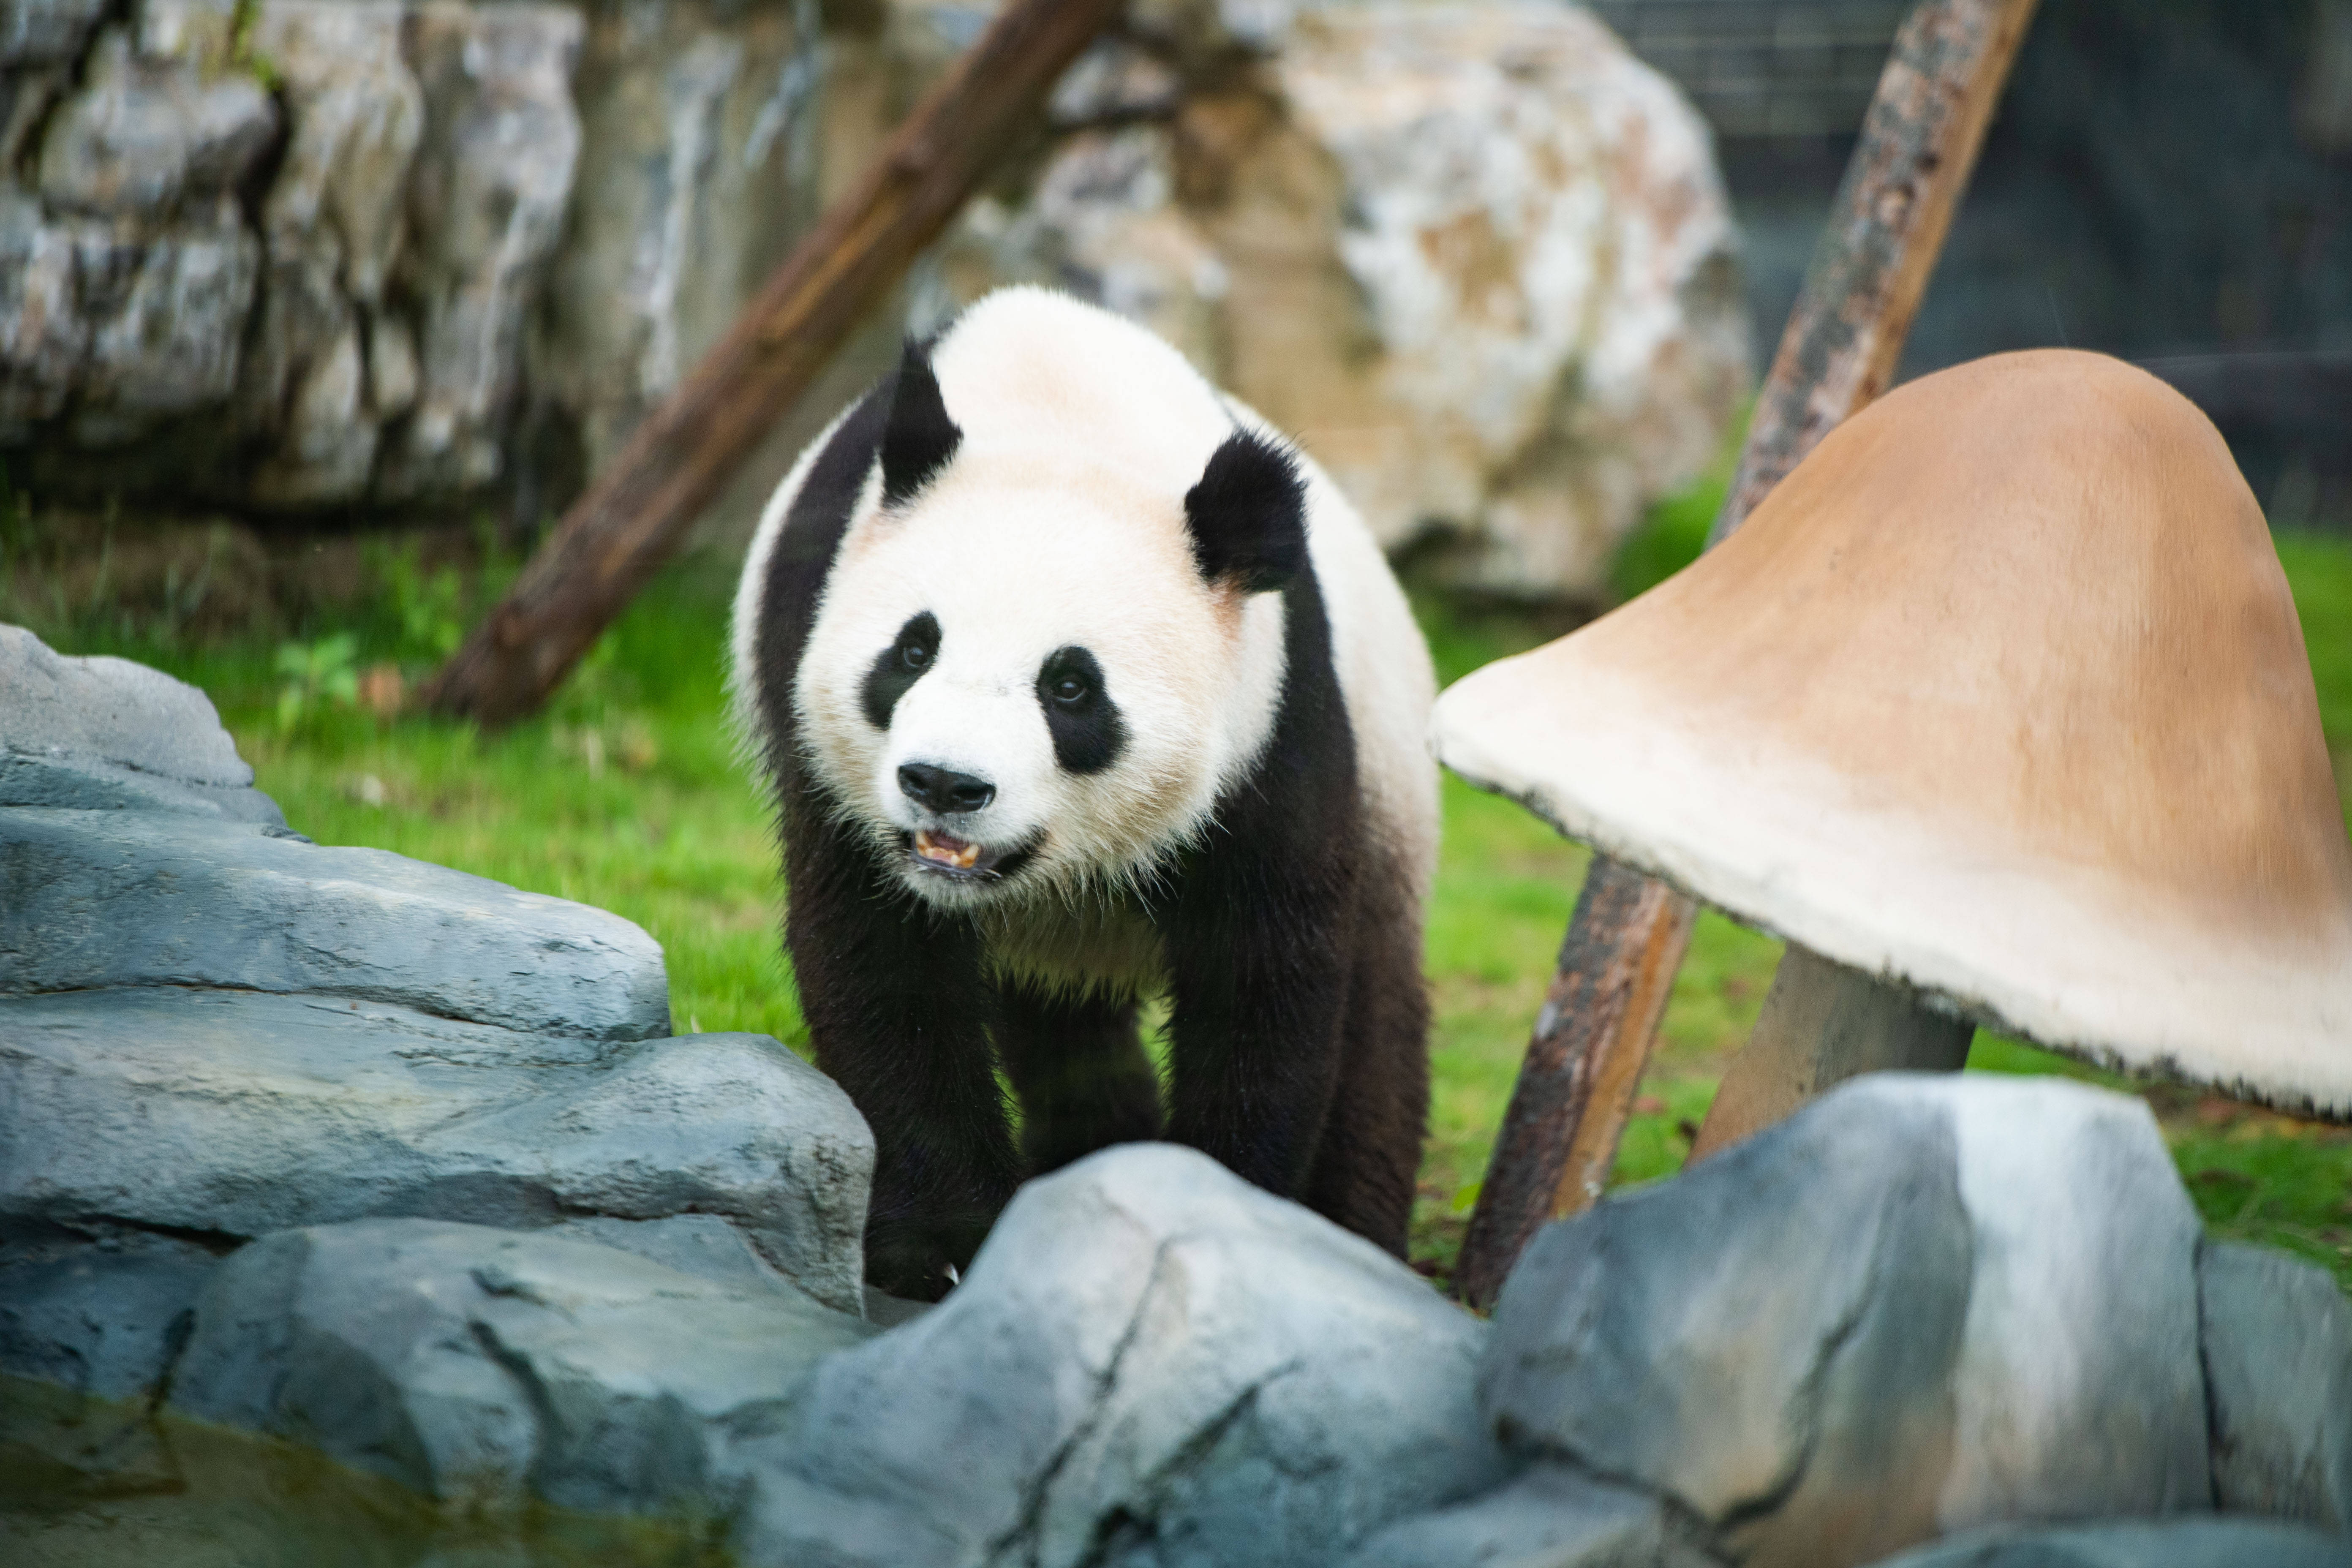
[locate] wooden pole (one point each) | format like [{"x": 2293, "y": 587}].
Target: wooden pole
[
  {"x": 633, "y": 518},
  {"x": 1919, "y": 141}
]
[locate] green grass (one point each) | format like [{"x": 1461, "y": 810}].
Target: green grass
[{"x": 627, "y": 794}]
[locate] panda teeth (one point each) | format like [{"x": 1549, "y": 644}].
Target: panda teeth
[{"x": 943, "y": 849}]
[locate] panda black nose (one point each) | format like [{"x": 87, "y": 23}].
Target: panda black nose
[{"x": 942, "y": 790}]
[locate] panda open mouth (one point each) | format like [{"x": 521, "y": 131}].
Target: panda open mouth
[{"x": 943, "y": 853}]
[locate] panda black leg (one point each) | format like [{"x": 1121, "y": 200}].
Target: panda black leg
[
  {"x": 1257, "y": 984},
  {"x": 900, "y": 1011},
  {"x": 1080, "y": 1072},
  {"x": 1369, "y": 1157}
]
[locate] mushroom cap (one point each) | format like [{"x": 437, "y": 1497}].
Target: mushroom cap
[{"x": 2000, "y": 694}]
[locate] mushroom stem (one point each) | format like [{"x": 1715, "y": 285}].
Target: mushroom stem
[{"x": 1824, "y": 1023}]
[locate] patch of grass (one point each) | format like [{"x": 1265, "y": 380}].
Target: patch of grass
[{"x": 627, "y": 794}]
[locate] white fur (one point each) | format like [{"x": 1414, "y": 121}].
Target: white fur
[{"x": 1060, "y": 521}]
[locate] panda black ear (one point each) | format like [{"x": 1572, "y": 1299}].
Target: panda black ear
[
  {"x": 1248, "y": 515},
  {"x": 920, "y": 437}
]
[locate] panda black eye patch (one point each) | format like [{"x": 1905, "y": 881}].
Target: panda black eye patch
[
  {"x": 910, "y": 654},
  {"x": 1087, "y": 732}
]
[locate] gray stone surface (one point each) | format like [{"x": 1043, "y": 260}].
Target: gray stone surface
[
  {"x": 242, "y": 1113},
  {"x": 41, "y": 31},
  {"x": 485, "y": 1366},
  {"x": 1547, "y": 1518},
  {"x": 487, "y": 199},
  {"x": 147, "y": 136},
  {"x": 2137, "y": 1543},
  {"x": 2278, "y": 1371},
  {"x": 97, "y": 1308},
  {"x": 1922, "y": 1303},
  {"x": 703, "y": 1244},
  {"x": 105, "y": 734},
  {"x": 698, "y": 168},
  {"x": 1151, "y": 1361},
  {"x": 350, "y": 239},
  {"x": 111, "y": 710},
  {"x": 93, "y": 899},
  {"x": 82, "y": 784}
]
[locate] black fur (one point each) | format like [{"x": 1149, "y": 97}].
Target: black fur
[
  {"x": 921, "y": 439},
  {"x": 1297, "y": 1016},
  {"x": 1088, "y": 733},
  {"x": 1081, "y": 1075},
  {"x": 897, "y": 667},
  {"x": 1248, "y": 515}
]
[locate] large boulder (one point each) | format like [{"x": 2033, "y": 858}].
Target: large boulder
[
  {"x": 1151, "y": 1361},
  {"x": 487, "y": 1366},
  {"x": 1922, "y": 1303},
  {"x": 211, "y": 1029},
  {"x": 1476, "y": 257},
  {"x": 2278, "y": 1376}
]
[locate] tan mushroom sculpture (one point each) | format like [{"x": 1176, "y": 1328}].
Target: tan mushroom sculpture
[{"x": 1998, "y": 709}]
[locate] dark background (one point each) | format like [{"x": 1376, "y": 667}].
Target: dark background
[{"x": 2170, "y": 181}]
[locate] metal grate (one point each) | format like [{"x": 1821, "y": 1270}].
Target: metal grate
[{"x": 1765, "y": 68}]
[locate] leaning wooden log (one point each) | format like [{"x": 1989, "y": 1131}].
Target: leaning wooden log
[
  {"x": 1919, "y": 141},
  {"x": 635, "y": 513}
]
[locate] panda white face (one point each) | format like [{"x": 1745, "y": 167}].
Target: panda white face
[{"x": 1020, "y": 684}]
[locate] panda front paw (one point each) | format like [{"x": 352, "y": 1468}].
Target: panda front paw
[{"x": 919, "y": 1263}]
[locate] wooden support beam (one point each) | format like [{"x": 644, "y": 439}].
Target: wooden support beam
[
  {"x": 635, "y": 515},
  {"x": 1919, "y": 141}
]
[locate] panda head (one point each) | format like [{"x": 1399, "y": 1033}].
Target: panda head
[{"x": 1048, "y": 644}]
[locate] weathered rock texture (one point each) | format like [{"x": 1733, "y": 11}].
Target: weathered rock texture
[
  {"x": 1921, "y": 1304},
  {"x": 1549, "y": 1517},
  {"x": 1151, "y": 1361},
  {"x": 481, "y": 1365},
  {"x": 1477, "y": 257},
  {"x": 211, "y": 1029},
  {"x": 90, "y": 899},
  {"x": 2278, "y": 1375},
  {"x": 312, "y": 252},
  {"x": 103, "y": 734}
]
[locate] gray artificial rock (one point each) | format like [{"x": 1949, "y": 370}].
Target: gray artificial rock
[
  {"x": 355, "y": 115},
  {"x": 702, "y": 1245},
  {"x": 487, "y": 1366},
  {"x": 1546, "y": 1518},
  {"x": 42, "y": 32},
  {"x": 1150, "y": 1361},
  {"x": 697, "y": 172},
  {"x": 1923, "y": 1302},
  {"x": 2137, "y": 1543},
  {"x": 111, "y": 710},
  {"x": 166, "y": 317},
  {"x": 97, "y": 1308},
  {"x": 95, "y": 898},
  {"x": 2278, "y": 1373},
  {"x": 241, "y": 1113},
  {"x": 143, "y": 135},
  {"x": 83, "y": 784},
  {"x": 99, "y": 733},
  {"x": 486, "y": 204},
  {"x": 42, "y": 335}
]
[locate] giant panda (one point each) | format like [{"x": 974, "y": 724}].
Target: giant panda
[{"x": 1076, "y": 684}]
